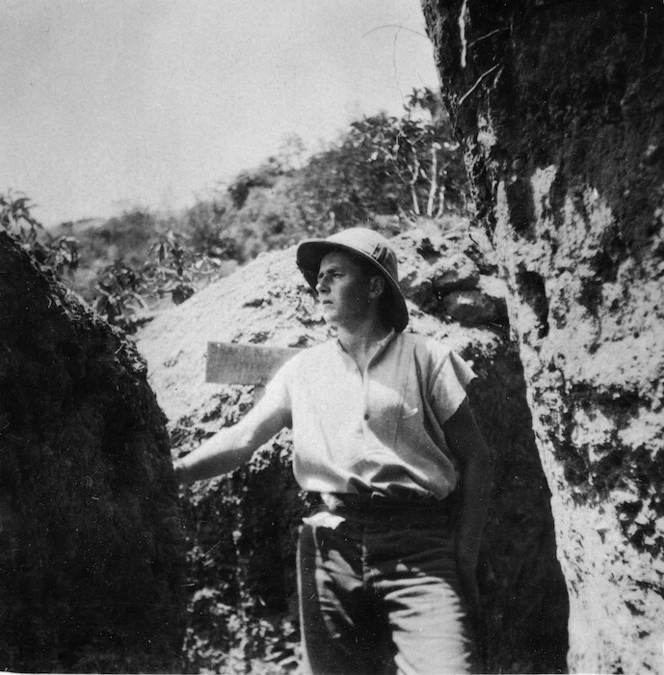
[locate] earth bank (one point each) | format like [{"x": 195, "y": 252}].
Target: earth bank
[
  {"x": 560, "y": 109},
  {"x": 91, "y": 540}
]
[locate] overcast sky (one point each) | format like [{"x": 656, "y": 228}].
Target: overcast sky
[{"x": 110, "y": 104}]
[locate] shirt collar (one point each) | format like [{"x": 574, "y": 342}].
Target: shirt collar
[{"x": 381, "y": 346}]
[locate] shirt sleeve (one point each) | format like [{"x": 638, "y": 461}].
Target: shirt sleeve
[
  {"x": 277, "y": 393},
  {"x": 450, "y": 379}
]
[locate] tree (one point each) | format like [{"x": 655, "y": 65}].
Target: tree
[
  {"x": 560, "y": 110},
  {"x": 417, "y": 154}
]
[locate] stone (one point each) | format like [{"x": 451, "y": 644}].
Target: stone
[
  {"x": 471, "y": 308},
  {"x": 432, "y": 264}
]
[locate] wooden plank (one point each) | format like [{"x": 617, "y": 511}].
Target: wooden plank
[{"x": 244, "y": 364}]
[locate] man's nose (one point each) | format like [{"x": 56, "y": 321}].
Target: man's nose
[{"x": 321, "y": 284}]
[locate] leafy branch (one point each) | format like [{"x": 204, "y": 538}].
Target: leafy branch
[
  {"x": 55, "y": 253},
  {"x": 176, "y": 268}
]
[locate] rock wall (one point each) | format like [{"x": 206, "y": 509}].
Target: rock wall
[
  {"x": 560, "y": 106},
  {"x": 243, "y": 527},
  {"x": 91, "y": 543}
]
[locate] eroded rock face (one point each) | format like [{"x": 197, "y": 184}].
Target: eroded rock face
[
  {"x": 244, "y": 526},
  {"x": 561, "y": 109},
  {"x": 444, "y": 271},
  {"x": 91, "y": 543}
]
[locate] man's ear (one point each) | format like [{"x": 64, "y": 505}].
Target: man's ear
[{"x": 376, "y": 286}]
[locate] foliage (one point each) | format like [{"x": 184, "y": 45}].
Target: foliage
[
  {"x": 118, "y": 286},
  {"x": 175, "y": 268},
  {"x": 227, "y": 638},
  {"x": 206, "y": 225},
  {"x": 119, "y": 294},
  {"x": 245, "y": 181},
  {"x": 126, "y": 237},
  {"x": 121, "y": 288},
  {"x": 55, "y": 253},
  {"x": 384, "y": 165},
  {"x": 382, "y": 170}
]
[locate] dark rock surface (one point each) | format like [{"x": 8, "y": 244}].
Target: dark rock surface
[{"x": 91, "y": 542}]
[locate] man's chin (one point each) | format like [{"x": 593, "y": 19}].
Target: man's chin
[{"x": 329, "y": 319}]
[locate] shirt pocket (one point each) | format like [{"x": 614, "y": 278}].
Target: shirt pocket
[{"x": 410, "y": 424}]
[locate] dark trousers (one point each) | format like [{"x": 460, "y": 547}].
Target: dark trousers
[{"x": 379, "y": 592}]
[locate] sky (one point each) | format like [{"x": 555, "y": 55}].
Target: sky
[{"x": 110, "y": 105}]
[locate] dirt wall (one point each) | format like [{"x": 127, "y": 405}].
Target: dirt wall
[
  {"x": 560, "y": 106},
  {"x": 91, "y": 542}
]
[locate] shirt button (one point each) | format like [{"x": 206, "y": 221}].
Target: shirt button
[{"x": 366, "y": 416}]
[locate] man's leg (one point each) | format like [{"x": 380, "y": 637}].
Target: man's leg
[
  {"x": 415, "y": 576},
  {"x": 340, "y": 631}
]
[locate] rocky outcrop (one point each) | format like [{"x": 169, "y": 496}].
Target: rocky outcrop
[
  {"x": 450, "y": 272},
  {"x": 91, "y": 543},
  {"x": 560, "y": 107},
  {"x": 243, "y": 527}
]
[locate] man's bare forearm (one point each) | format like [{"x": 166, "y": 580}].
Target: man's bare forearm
[
  {"x": 476, "y": 484},
  {"x": 231, "y": 447},
  {"x": 475, "y": 460},
  {"x": 220, "y": 454}
]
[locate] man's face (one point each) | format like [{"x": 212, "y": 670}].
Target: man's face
[{"x": 344, "y": 290}]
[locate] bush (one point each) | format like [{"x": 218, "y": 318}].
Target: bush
[{"x": 58, "y": 254}]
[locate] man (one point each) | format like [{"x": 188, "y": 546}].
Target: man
[{"x": 383, "y": 431}]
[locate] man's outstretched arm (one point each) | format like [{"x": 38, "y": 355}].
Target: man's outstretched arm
[{"x": 232, "y": 446}]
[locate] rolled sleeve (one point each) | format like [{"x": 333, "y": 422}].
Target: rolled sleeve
[{"x": 449, "y": 384}]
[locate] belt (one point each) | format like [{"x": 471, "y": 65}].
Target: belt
[{"x": 377, "y": 501}]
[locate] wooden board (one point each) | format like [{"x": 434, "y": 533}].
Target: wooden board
[{"x": 244, "y": 364}]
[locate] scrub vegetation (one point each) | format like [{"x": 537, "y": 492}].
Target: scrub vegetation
[{"x": 383, "y": 169}]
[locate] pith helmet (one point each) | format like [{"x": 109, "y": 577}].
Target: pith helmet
[{"x": 368, "y": 245}]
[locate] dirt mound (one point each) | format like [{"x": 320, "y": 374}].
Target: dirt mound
[{"x": 91, "y": 544}]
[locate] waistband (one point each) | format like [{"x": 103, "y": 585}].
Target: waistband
[{"x": 376, "y": 501}]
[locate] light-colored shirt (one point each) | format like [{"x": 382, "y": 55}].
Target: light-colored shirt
[{"x": 381, "y": 430}]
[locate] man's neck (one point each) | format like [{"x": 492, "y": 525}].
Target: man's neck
[{"x": 362, "y": 342}]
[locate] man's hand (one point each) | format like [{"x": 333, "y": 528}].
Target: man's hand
[
  {"x": 466, "y": 561},
  {"x": 181, "y": 473}
]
